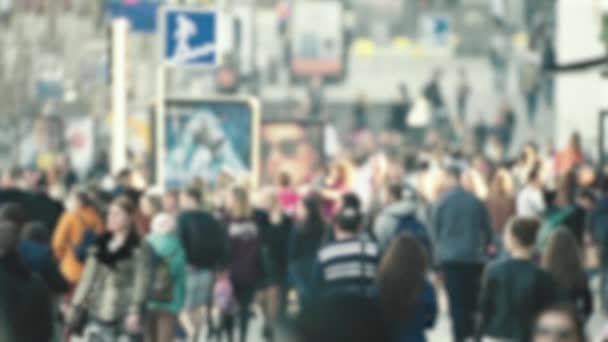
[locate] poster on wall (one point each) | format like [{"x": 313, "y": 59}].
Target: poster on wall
[
  {"x": 203, "y": 138},
  {"x": 53, "y": 137},
  {"x": 291, "y": 147},
  {"x": 318, "y": 38}
]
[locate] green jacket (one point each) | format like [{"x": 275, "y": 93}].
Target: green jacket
[{"x": 169, "y": 247}]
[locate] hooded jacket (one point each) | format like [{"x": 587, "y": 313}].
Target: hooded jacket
[
  {"x": 168, "y": 247},
  {"x": 387, "y": 222}
]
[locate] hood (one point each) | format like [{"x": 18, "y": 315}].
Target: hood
[
  {"x": 400, "y": 208},
  {"x": 164, "y": 244}
]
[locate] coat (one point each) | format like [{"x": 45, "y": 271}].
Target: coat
[
  {"x": 26, "y": 311},
  {"x": 68, "y": 235},
  {"x": 38, "y": 258},
  {"x": 113, "y": 284},
  {"x": 168, "y": 247}
]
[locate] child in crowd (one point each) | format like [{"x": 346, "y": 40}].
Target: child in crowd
[{"x": 515, "y": 290}]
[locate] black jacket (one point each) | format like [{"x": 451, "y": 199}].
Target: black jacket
[
  {"x": 204, "y": 238},
  {"x": 514, "y": 293},
  {"x": 25, "y": 304}
]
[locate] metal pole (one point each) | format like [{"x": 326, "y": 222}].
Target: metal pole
[
  {"x": 119, "y": 94},
  {"x": 159, "y": 137}
]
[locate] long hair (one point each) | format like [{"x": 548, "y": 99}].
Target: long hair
[
  {"x": 502, "y": 184},
  {"x": 241, "y": 205},
  {"x": 314, "y": 223},
  {"x": 562, "y": 258},
  {"x": 573, "y": 315},
  {"x": 401, "y": 277}
]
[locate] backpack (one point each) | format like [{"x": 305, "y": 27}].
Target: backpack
[
  {"x": 204, "y": 240},
  {"x": 160, "y": 286},
  {"x": 408, "y": 223}
]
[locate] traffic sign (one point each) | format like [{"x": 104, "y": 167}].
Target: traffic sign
[{"x": 190, "y": 37}]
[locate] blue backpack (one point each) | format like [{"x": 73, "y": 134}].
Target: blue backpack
[{"x": 410, "y": 224}]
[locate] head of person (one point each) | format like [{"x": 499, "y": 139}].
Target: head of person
[
  {"x": 560, "y": 323},
  {"x": 123, "y": 178},
  {"x": 163, "y": 223},
  {"x": 574, "y": 144},
  {"x": 348, "y": 222},
  {"x": 310, "y": 211},
  {"x": 10, "y": 178},
  {"x": 534, "y": 177},
  {"x": 563, "y": 259},
  {"x": 36, "y": 231},
  {"x": 284, "y": 180},
  {"x": 502, "y": 183},
  {"x": 78, "y": 199},
  {"x": 9, "y": 237},
  {"x": 190, "y": 199},
  {"x": 14, "y": 213},
  {"x": 401, "y": 277},
  {"x": 239, "y": 204},
  {"x": 521, "y": 233},
  {"x": 171, "y": 201},
  {"x": 351, "y": 200},
  {"x": 120, "y": 216},
  {"x": 288, "y": 147},
  {"x": 393, "y": 193},
  {"x": 150, "y": 205},
  {"x": 452, "y": 177}
]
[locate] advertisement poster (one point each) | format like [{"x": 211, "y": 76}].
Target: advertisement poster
[
  {"x": 317, "y": 35},
  {"x": 207, "y": 137},
  {"x": 292, "y": 147}
]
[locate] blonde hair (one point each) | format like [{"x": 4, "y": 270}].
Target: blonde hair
[
  {"x": 475, "y": 183},
  {"x": 502, "y": 183},
  {"x": 241, "y": 205}
]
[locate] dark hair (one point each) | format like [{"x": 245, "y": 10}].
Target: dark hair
[
  {"x": 125, "y": 203},
  {"x": 401, "y": 277},
  {"x": 525, "y": 230},
  {"x": 395, "y": 190},
  {"x": 349, "y": 219},
  {"x": 194, "y": 194},
  {"x": 314, "y": 220},
  {"x": 563, "y": 259},
  {"x": 284, "y": 179},
  {"x": 351, "y": 200},
  {"x": 36, "y": 231},
  {"x": 14, "y": 213},
  {"x": 534, "y": 173},
  {"x": 572, "y": 313},
  {"x": 84, "y": 198}
]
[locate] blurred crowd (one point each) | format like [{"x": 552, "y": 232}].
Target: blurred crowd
[{"x": 359, "y": 252}]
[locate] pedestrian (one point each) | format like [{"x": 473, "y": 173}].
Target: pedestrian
[
  {"x": 275, "y": 236},
  {"x": 432, "y": 92},
  {"x": 408, "y": 300},
  {"x": 400, "y": 109},
  {"x": 398, "y": 215},
  {"x": 304, "y": 243},
  {"x": 150, "y": 205},
  {"x": 360, "y": 115},
  {"x": 349, "y": 264},
  {"x": 288, "y": 195},
  {"x": 246, "y": 254},
  {"x": 205, "y": 242},
  {"x": 515, "y": 290},
  {"x": 26, "y": 312},
  {"x": 463, "y": 94},
  {"x": 171, "y": 203},
  {"x": 562, "y": 258},
  {"x": 162, "y": 313},
  {"x": 571, "y": 157},
  {"x": 112, "y": 292},
  {"x": 76, "y": 230},
  {"x": 530, "y": 80},
  {"x": 501, "y": 205},
  {"x": 531, "y": 200},
  {"x": 598, "y": 229},
  {"x": 316, "y": 97},
  {"x": 559, "y": 323},
  {"x": 35, "y": 252},
  {"x": 461, "y": 225}
]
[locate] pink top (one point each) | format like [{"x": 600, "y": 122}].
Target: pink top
[{"x": 289, "y": 200}]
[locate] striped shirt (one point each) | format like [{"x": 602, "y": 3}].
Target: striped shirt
[{"x": 345, "y": 266}]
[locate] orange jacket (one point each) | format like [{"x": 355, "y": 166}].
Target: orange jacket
[{"x": 68, "y": 235}]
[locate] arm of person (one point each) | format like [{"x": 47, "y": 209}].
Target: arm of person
[
  {"x": 88, "y": 279},
  {"x": 61, "y": 238},
  {"x": 430, "y": 305},
  {"x": 55, "y": 279},
  {"x": 143, "y": 268},
  {"x": 486, "y": 227}
]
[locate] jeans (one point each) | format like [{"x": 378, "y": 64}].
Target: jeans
[{"x": 463, "y": 284}]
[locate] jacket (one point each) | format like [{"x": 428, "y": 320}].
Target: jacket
[
  {"x": 387, "y": 222},
  {"x": 598, "y": 226},
  {"x": 168, "y": 246},
  {"x": 514, "y": 293},
  {"x": 113, "y": 284},
  {"x": 39, "y": 259},
  {"x": 26, "y": 311},
  {"x": 68, "y": 235},
  {"x": 461, "y": 226}
]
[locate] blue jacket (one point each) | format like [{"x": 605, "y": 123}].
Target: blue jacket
[
  {"x": 461, "y": 226},
  {"x": 39, "y": 259},
  {"x": 598, "y": 226}
]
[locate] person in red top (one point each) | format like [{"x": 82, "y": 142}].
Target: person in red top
[{"x": 288, "y": 196}]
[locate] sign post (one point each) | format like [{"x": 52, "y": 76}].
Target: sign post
[{"x": 189, "y": 39}]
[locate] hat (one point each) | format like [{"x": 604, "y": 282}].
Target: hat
[
  {"x": 9, "y": 237},
  {"x": 163, "y": 223}
]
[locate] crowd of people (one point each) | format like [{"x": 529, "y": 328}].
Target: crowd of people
[{"x": 360, "y": 252}]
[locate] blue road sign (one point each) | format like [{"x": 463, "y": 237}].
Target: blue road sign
[{"x": 190, "y": 37}]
